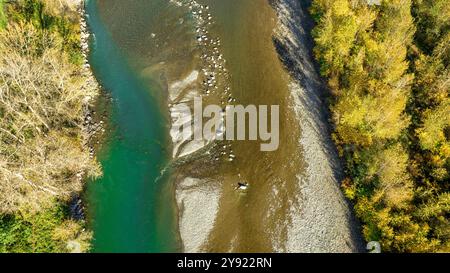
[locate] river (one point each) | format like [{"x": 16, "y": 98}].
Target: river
[
  {"x": 124, "y": 205},
  {"x": 163, "y": 194}
]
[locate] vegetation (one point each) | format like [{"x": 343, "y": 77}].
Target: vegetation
[
  {"x": 50, "y": 230},
  {"x": 2, "y": 15},
  {"x": 388, "y": 68},
  {"x": 43, "y": 99}
]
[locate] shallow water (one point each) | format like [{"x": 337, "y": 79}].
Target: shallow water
[{"x": 257, "y": 220}]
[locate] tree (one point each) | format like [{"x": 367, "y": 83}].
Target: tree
[
  {"x": 42, "y": 103},
  {"x": 388, "y": 72}
]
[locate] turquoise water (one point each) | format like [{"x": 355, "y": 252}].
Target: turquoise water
[{"x": 130, "y": 208}]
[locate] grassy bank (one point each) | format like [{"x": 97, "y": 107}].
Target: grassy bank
[
  {"x": 43, "y": 161},
  {"x": 388, "y": 68},
  {"x": 49, "y": 230}
]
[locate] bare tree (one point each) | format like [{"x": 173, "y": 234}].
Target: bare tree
[{"x": 42, "y": 97}]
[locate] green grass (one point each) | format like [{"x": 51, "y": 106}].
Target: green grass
[
  {"x": 2, "y": 15},
  {"x": 23, "y": 232},
  {"x": 47, "y": 231}
]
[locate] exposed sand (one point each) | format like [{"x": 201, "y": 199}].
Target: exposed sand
[
  {"x": 198, "y": 202},
  {"x": 197, "y": 198},
  {"x": 176, "y": 88}
]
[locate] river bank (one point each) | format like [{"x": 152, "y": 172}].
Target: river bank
[
  {"x": 93, "y": 125},
  {"x": 325, "y": 222}
]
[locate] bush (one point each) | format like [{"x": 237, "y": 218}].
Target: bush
[{"x": 44, "y": 232}]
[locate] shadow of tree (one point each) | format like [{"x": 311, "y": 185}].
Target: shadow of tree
[{"x": 294, "y": 45}]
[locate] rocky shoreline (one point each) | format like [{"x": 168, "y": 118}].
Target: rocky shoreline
[
  {"x": 324, "y": 222},
  {"x": 92, "y": 128}
]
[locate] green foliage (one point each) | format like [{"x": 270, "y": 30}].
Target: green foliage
[
  {"x": 3, "y": 19},
  {"x": 432, "y": 133},
  {"x": 37, "y": 13},
  {"x": 432, "y": 17},
  {"x": 28, "y": 232}
]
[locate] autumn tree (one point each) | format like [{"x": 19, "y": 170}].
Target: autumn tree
[{"x": 367, "y": 52}]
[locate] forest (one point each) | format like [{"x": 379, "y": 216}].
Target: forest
[
  {"x": 43, "y": 157},
  {"x": 387, "y": 65}
]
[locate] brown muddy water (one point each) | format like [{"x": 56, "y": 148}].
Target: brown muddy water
[{"x": 253, "y": 220}]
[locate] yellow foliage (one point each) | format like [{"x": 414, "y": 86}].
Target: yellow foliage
[
  {"x": 74, "y": 237},
  {"x": 431, "y": 134}
]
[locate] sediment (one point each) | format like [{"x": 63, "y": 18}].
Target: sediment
[{"x": 324, "y": 221}]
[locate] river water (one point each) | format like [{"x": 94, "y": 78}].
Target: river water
[
  {"x": 124, "y": 205},
  {"x": 158, "y": 195}
]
